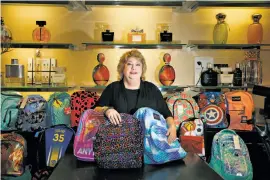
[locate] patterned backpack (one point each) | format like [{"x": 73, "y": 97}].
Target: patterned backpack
[
  {"x": 119, "y": 146},
  {"x": 81, "y": 101},
  {"x": 157, "y": 150},
  {"x": 182, "y": 107},
  {"x": 230, "y": 156},
  {"x": 213, "y": 109},
  {"x": 9, "y": 109},
  {"x": 85, "y": 135},
  {"x": 13, "y": 157},
  {"x": 240, "y": 107},
  {"x": 58, "y": 109},
  {"x": 192, "y": 136},
  {"x": 32, "y": 114}
]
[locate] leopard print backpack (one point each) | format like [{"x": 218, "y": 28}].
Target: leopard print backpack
[
  {"x": 81, "y": 101},
  {"x": 119, "y": 146}
]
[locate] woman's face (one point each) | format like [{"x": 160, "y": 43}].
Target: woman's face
[{"x": 133, "y": 69}]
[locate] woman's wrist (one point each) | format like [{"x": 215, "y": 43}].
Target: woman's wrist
[
  {"x": 170, "y": 122},
  {"x": 106, "y": 108}
]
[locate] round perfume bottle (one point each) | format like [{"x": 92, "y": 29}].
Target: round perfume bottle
[
  {"x": 255, "y": 30},
  {"x": 220, "y": 33},
  {"x": 167, "y": 73},
  {"x": 101, "y": 74},
  {"x": 41, "y": 34},
  {"x": 6, "y": 35}
]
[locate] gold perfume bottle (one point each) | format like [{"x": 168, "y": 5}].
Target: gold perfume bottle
[
  {"x": 136, "y": 36},
  {"x": 255, "y": 30}
]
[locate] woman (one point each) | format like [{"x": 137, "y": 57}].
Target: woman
[{"x": 132, "y": 93}]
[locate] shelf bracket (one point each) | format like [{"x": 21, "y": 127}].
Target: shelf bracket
[{"x": 187, "y": 7}]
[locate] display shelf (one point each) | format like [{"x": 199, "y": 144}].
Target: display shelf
[
  {"x": 147, "y": 45},
  {"x": 170, "y": 3},
  {"x": 93, "y": 88},
  {"x": 230, "y": 46},
  {"x": 37, "y": 88},
  {"x": 40, "y": 45},
  {"x": 221, "y": 87}
]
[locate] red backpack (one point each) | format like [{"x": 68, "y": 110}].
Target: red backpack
[{"x": 81, "y": 101}]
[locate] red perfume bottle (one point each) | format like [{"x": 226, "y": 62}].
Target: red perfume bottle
[
  {"x": 167, "y": 73},
  {"x": 41, "y": 34},
  {"x": 101, "y": 74}
]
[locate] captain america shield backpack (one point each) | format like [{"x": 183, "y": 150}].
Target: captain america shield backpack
[{"x": 213, "y": 109}]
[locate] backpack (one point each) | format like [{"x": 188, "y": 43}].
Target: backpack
[
  {"x": 81, "y": 101},
  {"x": 230, "y": 156},
  {"x": 213, "y": 109},
  {"x": 182, "y": 107},
  {"x": 58, "y": 109},
  {"x": 13, "y": 155},
  {"x": 119, "y": 146},
  {"x": 157, "y": 150},
  {"x": 85, "y": 135},
  {"x": 192, "y": 136},
  {"x": 240, "y": 107},
  {"x": 9, "y": 109},
  {"x": 32, "y": 114}
]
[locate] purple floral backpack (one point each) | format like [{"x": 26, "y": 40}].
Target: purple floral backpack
[
  {"x": 119, "y": 146},
  {"x": 85, "y": 135}
]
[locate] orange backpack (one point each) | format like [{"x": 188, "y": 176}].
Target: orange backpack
[{"x": 240, "y": 107}]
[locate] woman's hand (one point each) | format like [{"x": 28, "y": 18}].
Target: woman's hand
[
  {"x": 171, "y": 133},
  {"x": 113, "y": 116}
]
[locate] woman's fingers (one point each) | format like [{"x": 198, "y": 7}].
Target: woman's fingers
[{"x": 114, "y": 116}]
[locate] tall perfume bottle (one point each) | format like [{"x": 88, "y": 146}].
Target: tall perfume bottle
[
  {"x": 252, "y": 68},
  {"x": 255, "y": 30},
  {"x": 41, "y": 34},
  {"x": 209, "y": 77},
  {"x": 14, "y": 74},
  {"x": 220, "y": 33},
  {"x": 101, "y": 74},
  {"x": 167, "y": 73},
  {"x": 237, "y": 75},
  {"x": 6, "y": 35}
]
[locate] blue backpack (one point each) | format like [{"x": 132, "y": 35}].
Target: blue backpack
[
  {"x": 213, "y": 109},
  {"x": 58, "y": 109},
  {"x": 9, "y": 109},
  {"x": 230, "y": 157},
  {"x": 32, "y": 114},
  {"x": 157, "y": 150}
]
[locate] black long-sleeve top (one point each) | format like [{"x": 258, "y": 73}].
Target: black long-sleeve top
[{"x": 128, "y": 101}]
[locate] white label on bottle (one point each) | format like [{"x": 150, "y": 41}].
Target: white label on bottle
[
  {"x": 236, "y": 142},
  {"x": 180, "y": 109},
  {"x": 58, "y": 78},
  {"x": 136, "y": 38}
]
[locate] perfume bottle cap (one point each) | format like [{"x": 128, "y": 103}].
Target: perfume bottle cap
[
  {"x": 209, "y": 66},
  {"x": 220, "y": 16},
  {"x": 237, "y": 65},
  {"x": 256, "y": 17}
]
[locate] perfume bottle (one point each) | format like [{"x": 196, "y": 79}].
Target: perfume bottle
[
  {"x": 6, "y": 35},
  {"x": 220, "y": 33},
  {"x": 167, "y": 73},
  {"x": 209, "y": 77},
  {"x": 14, "y": 74},
  {"x": 101, "y": 74},
  {"x": 107, "y": 35},
  {"x": 165, "y": 35},
  {"x": 136, "y": 36},
  {"x": 255, "y": 30},
  {"x": 237, "y": 75},
  {"x": 253, "y": 72},
  {"x": 41, "y": 34}
]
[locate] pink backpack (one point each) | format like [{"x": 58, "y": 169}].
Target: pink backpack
[{"x": 86, "y": 132}]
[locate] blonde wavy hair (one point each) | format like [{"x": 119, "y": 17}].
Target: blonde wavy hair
[{"x": 123, "y": 60}]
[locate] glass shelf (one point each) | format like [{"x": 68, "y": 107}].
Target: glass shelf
[
  {"x": 93, "y": 88},
  {"x": 147, "y": 45},
  {"x": 37, "y": 88},
  {"x": 230, "y": 46},
  {"x": 40, "y": 45},
  {"x": 170, "y": 3},
  {"x": 222, "y": 87}
]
